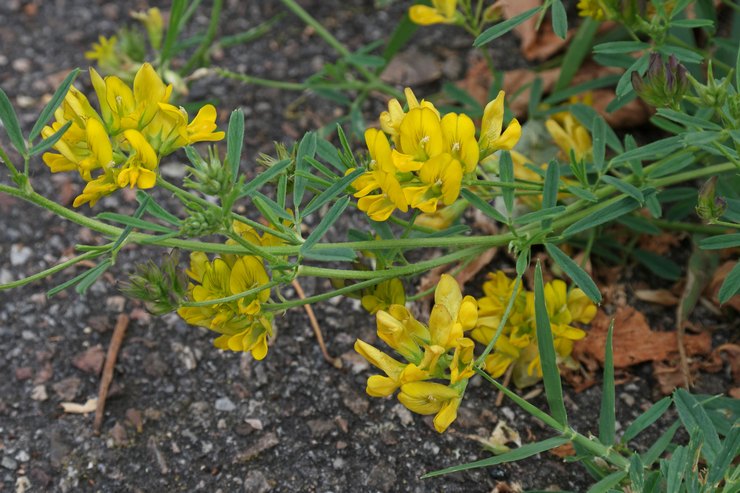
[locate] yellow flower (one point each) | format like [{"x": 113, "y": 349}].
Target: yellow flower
[
  {"x": 124, "y": 108},
  {"x": 452, "y": 314},
  {"x": 420, "y": 138},
  {"x": 591, "y": 8},
  {"x": 441, "y": 12},
  {"x": 441, "y": 178},
  {"x": 390, "y": 121},
  {"x": 152, "y": 20},
  {"x": 491, "y": 137},
  {"x": 139, "y": 168},
  {"x": 104, "y": 51},
  {"x": 570, "y": 135},
  {"x": 459, "y": 137},
  {"x": 378, "y": 385},
  {"x": 384, "y": 295},
  {"x": 96, "y": 189},
  {"x": 398, "y": 336},
  {"x": 432, "y": 398},
  {"x": 242, "y": 324}
]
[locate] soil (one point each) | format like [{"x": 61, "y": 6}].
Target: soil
[{"x": 181, "y": 415}]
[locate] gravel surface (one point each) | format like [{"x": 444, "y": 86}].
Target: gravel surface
[{"x": 182, "y": 416}]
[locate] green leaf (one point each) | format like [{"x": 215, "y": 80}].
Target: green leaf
[
  {"x": 687, "y": 120},
  {"x": 552, "y": 183},
  {"x": 483, "y": 206},
  {"x": 653, "y": 205},
  {"x": 731, "y": 286},
  {"x": 53, "y": 104},
  {"x": 326, "y": 222},
  {"x": 559, "y": 19},
  {"x": 522, "y": 262},
  {"x": 730, "y": 450},
  {"x": 692, "y": 416},
  {"x": 720, "y": 242},
  {"x": 607, "y": 416},
  {"x": 49, "y": 142},
  {"x": 234, "y": 142},
  {"x": 503, "y": 27},
  {"x": 639, "y": 224},
  {"x": 582, "y": 193},
  {"x": 155, "y": 209},
  {"x": 539, "y": 215},
  {"x": 659, "y": 446},
  {"x": 330, "y": 154},
  {"x": 676, "y": 468},
  {"x": 270, "y": 209},
  {"x": 306, "y": 148},
  {"x": 506, "y": 168},
  {"x": 133, "y": 222},
  {"x": 659, "y": 265},
  {"x": 365, "y": 60},
  {"x": 403, "y": 32},
  {"x": 624, "y": 187},
  {"x": 672, "y": 165},
  {"x": 606, "y": 483},
  {"x": 546, "y": 346},
  {"x": 620, "y": 47},
  {"x": 585, "y": 115},
  {"x": 637, "y": 473},
  {"x": 338, "y": 187},
  {"x": 9, "y": 120},
  {"x": 578, "y": 49},
  {"x": 264, "y": 177},
  {"x": 651, "y": 151},
  {"x": 692, "y": 23},
  {"x": 93, "y": 274},
  {"x": 520, "y": 453},
  {"x": 598, "y": 132},
  {"x": 575, "y": 272},
  {"x": 624, "y": 86},
  {"x": 684, "y": 55},
  {"x": 612, "y": 211},
  {"x": 173, "y": 28}
]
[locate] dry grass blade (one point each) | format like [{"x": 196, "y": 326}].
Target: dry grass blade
[{"x": 110, "y": 362}]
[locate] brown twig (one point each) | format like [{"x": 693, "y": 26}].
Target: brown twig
[
  {"x": 335, "y": 362},
  {"x": 507, "y": 379},
  {"x": 110, "y": 362}
]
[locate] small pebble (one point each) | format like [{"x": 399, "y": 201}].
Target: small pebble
[
  {"x": 225, "y": 404},
  {"x": 19, "y": 254},
  {"x": 9, "y": 463},
  {"x": 39, "y": 393},
  {"x": 22, "y": 456}
]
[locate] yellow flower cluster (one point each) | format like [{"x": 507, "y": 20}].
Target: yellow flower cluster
[
  {"x": 592, "y": 8},
  {"x": 439, "y": 351},
  {"x": 569, "y": 135},
  {"x": 440, "y": 12},
  {"x": 517, "y": 344},
  {"x": 121, "y": 146},
  {"x": 242, "y": 323},
  {"x": 429, "y": 157}
]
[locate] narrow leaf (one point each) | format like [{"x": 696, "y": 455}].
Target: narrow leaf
[
  {"x": 326, "y": 222},
  {"x": 608, "y": 482},
  {"x": 483, "y": 206},
  {"x": 339, "y": 254},
  {"x": 546, "y": 346},
  {"x": 134, "y": 222},
  {"x": 520, "y": 453},
  {"x": 234, "y": 142},
  {"x": 575, "y": 272},
  {"x": 598, "y": 131},
  {"x": 506, "y": 168},
  {"x": 49, "y": 142},
  {"x": 692, "y": 416},
  {"x": 612, "y": 211},
  {"x": 659, "y": 265},
  {"x": 559, "y": 19},
  {"x": 264, "y": 177},
  {"x": 10, "y": 121},
  {"x": 53, "y": 104},
  {"x": 731, "y": 286},
  {"x": 538, "y": 215},
  {"x": 306, "y": 148},
  {"x": 330, "y": 193},
  {"x": 607, "y": 416},
  {"x": 624, "y": 187},
  {"x": 503, "y": 27}
]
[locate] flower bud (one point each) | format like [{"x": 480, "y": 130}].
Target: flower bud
[
  {"x": 709, "y": 206},
  {"x": 161, "y": 288},
  {"x": 664, "y": 83}
]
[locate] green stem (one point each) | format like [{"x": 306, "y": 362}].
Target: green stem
[
  {"x": 205, "y": 44},
  {"x": 51, "y": 270},
  {"x": 482, "y": 358}
]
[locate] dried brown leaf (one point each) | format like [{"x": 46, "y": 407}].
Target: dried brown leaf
[{"x": 657, "y": 296}]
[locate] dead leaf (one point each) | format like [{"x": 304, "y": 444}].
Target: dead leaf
[
  {"x": 478, "y": 81},
  {"x": 90, "y": 361},
  {"x": 658, "y": 296},
  {"x": 501, "y": 438},
  {"x": 75, "y": 408},
  {"x": 412, "y": 68},
  {"x": 716, "y": 283},
  {"x": 535, "y": 44},
  {"x": 660, "y": 244},
  {"x": 669, "y": 376},
  {"x": 634, "y": 341},
  {"x": 564, "y": 451},
  {"x": 734, "y": 392}
]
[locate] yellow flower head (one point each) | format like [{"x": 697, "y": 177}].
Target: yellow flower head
[
  {"x": 441, "y": 12},
  {"x": 459, "y": 136},
  {"x": 104, "y": 51},
  {"x": 432, "y": 398},
  {"x": 378, "y": 385},
  {"x": 591, "y": 8},
  {"x": 491, "y": 137},
  {"x": 243, "y": 325},
  {"x": 570, "y": 135},
  {"x": 153, "y": 23},
  {"x": 382, "y": 296},
  {"x": 390, "y": 121}
]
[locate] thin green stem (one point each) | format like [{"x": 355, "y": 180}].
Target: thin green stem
[
  {"x": 199, "y": 55},
  {"x": 233, "y": 297},
  {"x": 52, "y": 270},
  {"x": 492, "y": 343}
]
